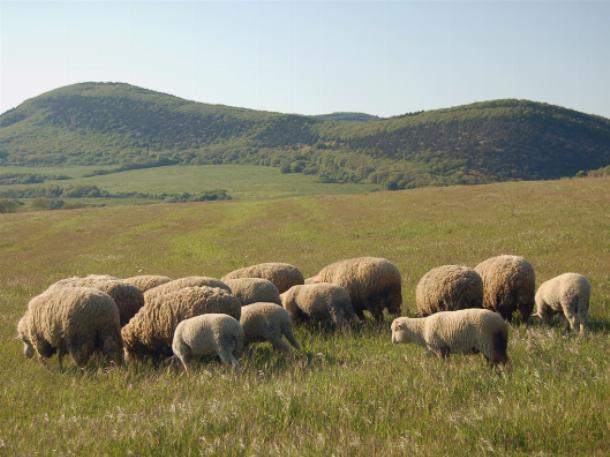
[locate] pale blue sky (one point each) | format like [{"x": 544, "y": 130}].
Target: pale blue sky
[{"x": 315, "y": 57}]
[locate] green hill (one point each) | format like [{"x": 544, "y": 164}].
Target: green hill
[{"x": 121, "y": 125}]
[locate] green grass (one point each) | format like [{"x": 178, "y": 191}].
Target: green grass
[
  {"x": 240, "y": 181},
  {"x": 342, "y": 394}
]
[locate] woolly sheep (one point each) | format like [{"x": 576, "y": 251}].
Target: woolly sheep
[
  {"x": 146, "y": 282},
  {"x": 448, "y": 288},
  {"x": 151, "y": 331},
  {"x": 73, "y": 320},
  {"x": 181, "y": 283},
  {"x": 127, "y": 297},
  {"x": 466, "y": 331},
  {"x": 267, "y": 322},
  {"x": 372, "y": 283},
  {"x": 283, "y": 275},
  {"x": 509, "y": 283},
  {"x": 209, "y": 334},
  {"x": 319, "y": 302},
  {"x": 252, "y": 290},
  {"x": 567, "y": 294}
]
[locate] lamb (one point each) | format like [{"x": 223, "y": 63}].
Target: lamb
[
  {"x": 508, "y": 285},
  {"x": 181, "y": 283},
  {"x": 151, "y": 331},
  {"x": 74, "y": 320},
  {"x": 209, "y": 334},
  {"x": 372, "y": 283},
  {"x": 448, "y": 288},
  {"x": 128, "y": 298},
  {"x": 319, "y": 302},
  {"x": 267, "y": 322},
  {"x": 146, "y": 282},
  {"x": 567, "y": 294},
  {"x": 283, "y": 275},
  {"x": 466, "y": 331},
  {"x": 252, "y": 290}
]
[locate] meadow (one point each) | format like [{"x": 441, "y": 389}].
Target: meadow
[{"x": 347, "y": 393}]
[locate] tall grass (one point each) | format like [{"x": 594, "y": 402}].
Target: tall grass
[{"x": 343, "y": 393}]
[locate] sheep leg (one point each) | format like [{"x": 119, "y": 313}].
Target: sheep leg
[
  {"x": 227, "y": 357},
  {"x": 563, "y": 322},
  {"x": 61, "y": 351},
  {"x": 278, "y": 344},
  {"x": 287, "y": 331}
]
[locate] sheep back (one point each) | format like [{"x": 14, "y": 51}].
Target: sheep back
[
  {"x": 319, "y": 302},
  {"x": 76, "y": 320},
  {"x": 283, "y": 275},
  {"x": 181, "y": 283},
  {"x": 151, "y": 331},
  {"x": 448, "y": 288},
  {"x": 252, "y": 290},
  {"x": 127, "y": 297},
  {"x": 567, "y": 294},
  {"x": 509, "y": 284},
  {"x": 146, "y": 282},
  {"x": 372, "y": 283}
]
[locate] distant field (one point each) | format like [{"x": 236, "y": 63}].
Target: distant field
[
  {"x": 240, "y": 181},
  {"x": 342, "y": 394}
]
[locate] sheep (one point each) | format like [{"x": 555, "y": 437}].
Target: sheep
[
  {"x": 509, "y": 283},
  {"x": 372, "y": 283},
  {"x": 267, "y": 322},
  {"x": 74, "y": 320},
  {"x": 145, "y": 282},
  {"x": 181, "y": 283},
  {"x": 319, "y": 302},
  {"x": 151, "y": 331},
  {"x": 448, "y": 288},
  {"x": 209, "y": 334},
  {"x": 252, "y": 290},
  {"x": 466, "y": 331},
  {"x": 128, "y": 298},
  {"x": 567, "y": 294},
  {"x": 283, "y": 275}
]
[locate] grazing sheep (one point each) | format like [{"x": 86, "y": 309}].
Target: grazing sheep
[
  {"x": 252, "y": 290},
  {"x": 466, "y": 331},
  {"x": 127, "y": 297},
  {"x": 267, "y": 322},
  {"x": 509, "y": 283},
  {"x": 448, "y": 288},
  {"x": 283, "y": 275},
  {"x": 145, "y": 282},
  {"x": 209, "y": 334},
  {"x": 567, "y": 294},
  {"x": 151, "y": 331},
  {"x": 74, "y": 320},
  {"x": 372, "y": 283},
  {"x": 181, "y": 283},
  {"x": 319, "y": 302}
]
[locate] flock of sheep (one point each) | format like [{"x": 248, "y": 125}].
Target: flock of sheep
[{"x": 461, "y": 310}]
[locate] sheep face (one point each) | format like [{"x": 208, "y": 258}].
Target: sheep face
[
  {"x": 28, "y": 350},
  {"x": 401, "y": 333}
]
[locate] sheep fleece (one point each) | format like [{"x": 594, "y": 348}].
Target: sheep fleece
[
  {"x": 319, "y": 302},
  {"x": 252, "y": 290},
  {"x": 267, "y": 322},
  {"x": 567, "y": 294},
  {"x": 181, "y": 283},
  {"x": 151, "y": 331},
  {"x": 372, "y": 283},
  {"x": 448, "y": 288},
  {"x": 467, "y": 331},
  {"x": 76, "y": 320},
  {"x": 146, "y": 282},
  {"x": 283, "y": 275}
]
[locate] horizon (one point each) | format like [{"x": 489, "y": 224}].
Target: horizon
[{"x": 383, "y": 59}]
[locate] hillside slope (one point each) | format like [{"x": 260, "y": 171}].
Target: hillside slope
[{"x": 115, "y": 123}]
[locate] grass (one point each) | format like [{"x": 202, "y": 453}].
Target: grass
[
  {"x": 342, "y": 394},
  {"x": 241, "y": 181}
]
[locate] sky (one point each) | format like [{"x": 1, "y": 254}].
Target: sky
[{"x": 383, "y": 58}]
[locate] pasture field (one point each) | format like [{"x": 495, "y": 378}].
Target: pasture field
[
  {"x": 343, "y": 393},
  {"x": 244, "y": 182}
]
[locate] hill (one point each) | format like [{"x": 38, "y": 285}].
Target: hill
[
  {"x": 119, "y": 124},
  {"x": 344, "y": 393}
]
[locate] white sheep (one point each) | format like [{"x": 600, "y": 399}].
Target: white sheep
[
  {"x": 209, "y": 334},
  {"x": 267, "y": 322},
  {"x": 466, "y": 331},
  {"x": 567, "y": 295}
]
